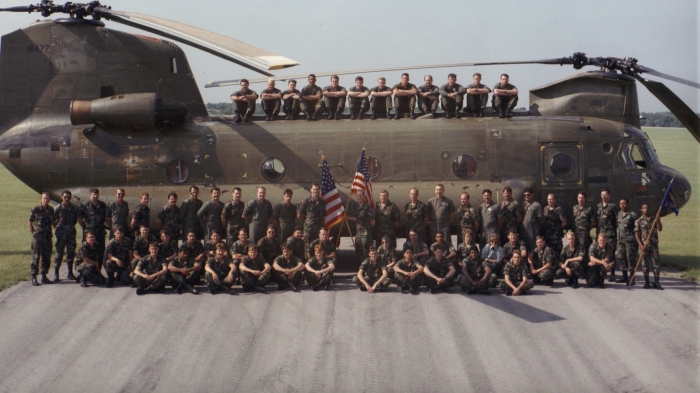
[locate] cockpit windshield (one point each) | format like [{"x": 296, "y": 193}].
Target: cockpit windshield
[{"x": 650, "y": 153}]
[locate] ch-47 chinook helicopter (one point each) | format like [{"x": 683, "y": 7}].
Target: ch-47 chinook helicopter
[{"x": 84, "y": 106}]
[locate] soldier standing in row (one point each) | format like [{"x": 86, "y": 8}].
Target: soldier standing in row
[
  {"x": 258, "y": 212},
  {"x": 468, "y": 217},
  {"x": 627, "y": 249},
  {"x": 417, "y": 214},
  {"x": 404, "y": 97},
  {"x": 645, "y": 230},
  {"x": 232, "y": 216},
  {"x": 270, "y": 100},
  {"x": 584, "y": 220},
  {"x": 119, "y": 256},
  {"x": 244, "y": 102},
  {"x": 387, "y": 217},
  {"x": 169, "y": 217},
  {"x": 554, "y": 224},
  {"x": 512, "y": 213},
  {"x": 477, "y": 96},
  {"x": 142, "y": 213},
  {"x": 380, "y": 99},
  {"x": 442, "y": 211},
  {"x": 40, "y": 220},
  {"x": 606, "y": 217},
  {"x": 291, "y": 98},
  {"x": 363, "y": 215},
  {"x": 188, "y": 214},
  {"x": 65, "y": 218},
  {"x": 491, "y": 217},
  {"x": 118, "y": 211},
  {"x": 92, "y": 216},
  {"x": 358, "y": 99},
  {"x": 210, "y": 213},
  {"x": 334, "y": 98},
  {"x": 428, "y": 96},
  {"x": 452, "y": 97},
  {"x": 283, "y": 215},
  {"x": 532, "y": 219},
  {"x": 313, "y": 212}
]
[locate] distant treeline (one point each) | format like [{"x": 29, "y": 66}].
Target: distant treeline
[{"x": 649, "y": 119}]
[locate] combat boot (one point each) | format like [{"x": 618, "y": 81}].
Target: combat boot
[
  {"x": 646, "y": 281},
  {"x": 374, "y": 115},
  {"x": 294, "y": 287},
  {"x": 570, "y": 281},
  {"x": 631, "y": 275},
  {"x": 246, "y": 118},
  {"x": 612, "y": 275},
  {"x": 317, "y": 114},
  {"x": 308, "y": 116},
  {"x": 412, "y": 114},
  {"x": 657, "y": 284},
  {"x": 70, "y": 275},
  {"x": 237, "y": 118},
  {"x": 77, "y": 279},
  {"x": 448, "y": 115},
  {"x": 274, "y": 115},
  {"x": 457, "y": 114},
  {"x": 623, "y": 279},
  {"x": 34, "y": 281},
  {"x": 574, "y": 281},
  {"x": 499, "y": 112},
  {"x": 337, "y": 115},
  {"x": 360, "y": 115},
  {"x": 55, "y": 274},
  {"x": 388, "y": 114},
  {"x": 110, "y": 280},
  {"x": 397, "y": 114},
  {"x": 45, "y": 280},
  {"x": 83, "y": 281},
  {"x": 352, "y": 115}
]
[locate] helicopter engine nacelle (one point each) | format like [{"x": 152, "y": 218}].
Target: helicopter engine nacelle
[{"x": 136, "y": 110}]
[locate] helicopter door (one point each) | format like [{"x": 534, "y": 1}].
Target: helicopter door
[
  {"x": 638, "y": 170},
  {"x": 561, "y": 164}
]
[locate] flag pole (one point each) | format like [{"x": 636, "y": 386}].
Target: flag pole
[{"x": 651, "y": 231}]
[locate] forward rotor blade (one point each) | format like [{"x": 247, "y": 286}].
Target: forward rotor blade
[
  {"x": 19, "y": 9},
  {"x": 686, "y": 115},
  {"x": 370, "y": 70},
  {"x": 238, "y": 52},
  {"x": 669, "y": 77}
]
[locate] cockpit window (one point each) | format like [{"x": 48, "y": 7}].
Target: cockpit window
[
  {"x": 650, "y": 153},
  {"x": 632, "y": 156}
]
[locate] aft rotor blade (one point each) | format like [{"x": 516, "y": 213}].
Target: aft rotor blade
[
  {"x": 669, "y": 77},
  {"x": 370, "y": 70},
  {"x": 19, "y": 9},
  {"x": 227, "y": 48},
  {"x": 686, "y": 115}
]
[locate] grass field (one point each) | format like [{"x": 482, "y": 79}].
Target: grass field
[{"x": 680, "y": 247}]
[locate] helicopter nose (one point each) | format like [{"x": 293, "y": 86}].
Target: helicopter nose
[{"x": 680, "y": 187}]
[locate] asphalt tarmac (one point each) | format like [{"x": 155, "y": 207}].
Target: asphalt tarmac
[{"x": 64, "y": 338}]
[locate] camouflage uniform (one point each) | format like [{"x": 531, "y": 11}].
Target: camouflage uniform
[
  {"x": 236, "y": 248},
  {"x": 188, "y": 216},
  {"x": 551, "y": 227},
  {"x": 167, "y": 250},
  {"x": 66, "y": 218},
  {"x": 284, "y": 215},
  {"x": 512, "y": 213},
  {"x": 509, "y": 249},
  {"x": 419, "y": 247},
  {"x": 597, "y": 273},
  {"x": 233, "y": 213},
  {"x": 141, "y": 246},
  {"x": 269, "y": 249},
  {"x": 403, "y": 280},
  {"x": 314, "y": 213},
  {"x": 142, "y": 215},
  {"x": 388, "y": 258},
  {"x": 88, "y": 270},
  {"x": 298, "y": 247},
  {"x": 428, "y": 105},
  {"x": 516, "y": 275},
  {"x": 363, "y": 237},
  {"x": 650, "y": 254},
  {"x": 120, "y": 251},
  {"x": 489, "y": 221},
  {"x": 440, "y": 211},
  {"x": 540, "y": 258},
  {"x": 311, "y": 106},
  {"x": 468, "y": 218},
  {"x": 211, "y": 213},
  {"x": 222, "y": 270},
  {"x": 280, "y": 278},
  {"x": 372, "y": 272},
  {"x": 477, "y": 271},
  {"x": 328, "y": 248},
  {"x": 386, "y": 219},
  {"x": 463, "y": 250},
  {"x": 41, "y": 239},
  {"x": 170, "y": 218},
  {"x": 583, "y": 218},
  {"x": 94, "y": 217},
  {"x": 196, "y": 250},
  {"x": 415, "y": 218},
  {"x": 627, "y": 247},
  {"x": 607, "y": 224},
  {"x": 325, "y": 278},
  {"x": 532, "y": 221},
  {"x": 192, "y": 278},
  {"x": 249, "y": 280},
  {"x": 439, "y": 269},
  {"x": 576, "y": 267},
  {"x": 259, "y": 214},
  {"x": 120, "y": 216},
  {"x": 446, "y": 248}
]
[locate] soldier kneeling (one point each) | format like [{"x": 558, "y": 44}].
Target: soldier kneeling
[
  {"x": 86, "y": 264},
  {"x": 515, "y": 277},
  {"x": 476, "y": 274},
  {"x": 571, "y": 260},
  {"x": 373, "y": 275},
  {"x": 600, "y": 254},
  {"x": 118, "y": 258},
  {"x": 151, "y": 272}
]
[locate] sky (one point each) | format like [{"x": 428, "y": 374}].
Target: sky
[{"x": 327, "y": 36}]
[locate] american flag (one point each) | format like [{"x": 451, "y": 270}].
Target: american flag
[
  {"x": 335, "y": 211},
  {"x": 362, "y": 180}
]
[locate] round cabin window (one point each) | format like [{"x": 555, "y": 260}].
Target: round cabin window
[
  {"x": 561, "y": 165},
  {"x": 273, "y": 169},
  {"x": 464, "y": 166},
  {"x": 177, "y": 171},
  {"x": 607, "y": 148},
  {"x": 375, "y": 167}
]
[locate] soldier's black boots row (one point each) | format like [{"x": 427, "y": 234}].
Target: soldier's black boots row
[
  {"x": 55, "y": 274},
  {"x": 83, "y": 281},
  {"x": 624, "y": 278},
  {"x": 34, "y": 281},
  {"x": 70, "y": 275},
  {"x": 657, "y": 284},
  {"x": 186, "y": 287}
]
